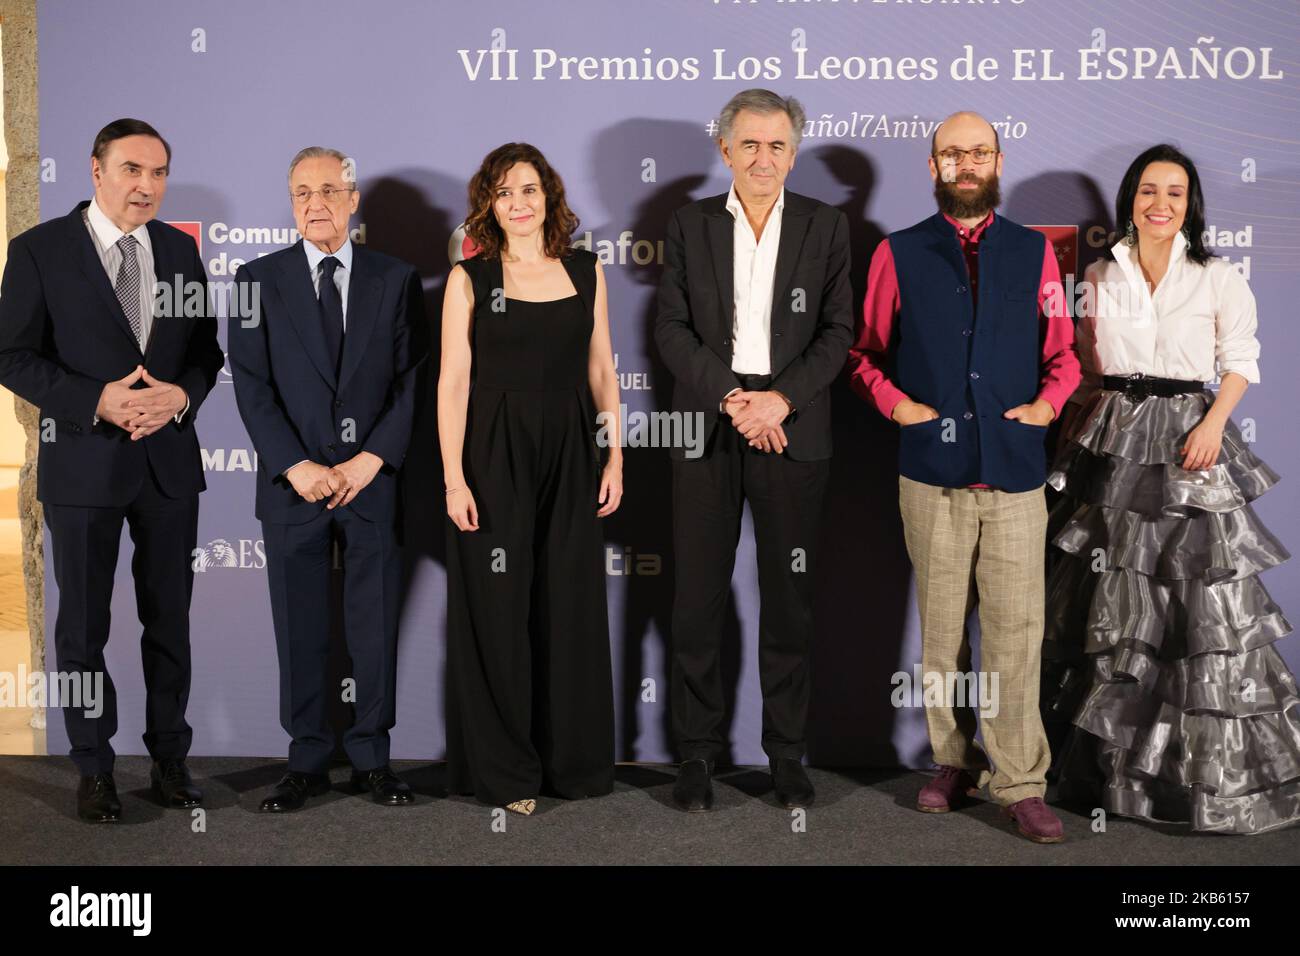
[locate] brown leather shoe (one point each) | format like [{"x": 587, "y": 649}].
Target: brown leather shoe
[
  {"x": 1035, "y": 820},
  {"x": 949, "y": 789}
]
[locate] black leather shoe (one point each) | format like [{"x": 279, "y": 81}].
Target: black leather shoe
[
  {"x": 293, "y": 790},
  {"x": 97, "y": 799},
  {"x": 173, "y": 786},
  {"x": 693, "y": 790},
  {"x": 385, "y": 786},
  {"x": 790, "y": 780}
]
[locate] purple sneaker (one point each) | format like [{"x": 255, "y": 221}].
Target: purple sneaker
[
  {"x": 1035, "y": 820},
  {"x": 948, "y": 789}
]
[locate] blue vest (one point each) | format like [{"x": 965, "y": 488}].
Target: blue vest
[{"x": 971, "y": 360}]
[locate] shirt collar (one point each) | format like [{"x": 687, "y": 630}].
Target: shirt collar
[
  {"x": 736, "y": 209},
  {"x": 1127, "y": 256},
  {"x": 971, "y": 235},
  {"x": 315, "y": 256},
  {"x": 108, "y": 233}
]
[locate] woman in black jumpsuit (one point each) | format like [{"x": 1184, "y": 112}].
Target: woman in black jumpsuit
[{"x": 529, "y": 688}]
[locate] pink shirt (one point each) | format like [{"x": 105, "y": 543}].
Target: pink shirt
[{"x": 1060, "y": 366}]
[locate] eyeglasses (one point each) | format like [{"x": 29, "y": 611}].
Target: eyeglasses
[
  {"x": 327, "y": 193},
  {"x": 954, "y": 156}
]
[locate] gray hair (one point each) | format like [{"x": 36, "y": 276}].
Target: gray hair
[
  {"x": 764, "y": 102},
  {"x": 319, "y": 152}
]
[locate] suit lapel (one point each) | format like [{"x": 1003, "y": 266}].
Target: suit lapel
[
  {"x": 364, "y": 293},
  {"x": 722, "y": 246},
  {"x": 295, "y": 287},
  {"x": 87, "y": 257},
  {"x": 795, "y": 220},
  {"x": 166, "y": 269}
]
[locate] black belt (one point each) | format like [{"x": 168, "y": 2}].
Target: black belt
[
  {"x": 754, "y": 383},
  {"x": 1139, "y": 386}
]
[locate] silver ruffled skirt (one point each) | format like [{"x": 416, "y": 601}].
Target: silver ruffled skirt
[{"x": 1160, "y": 634}]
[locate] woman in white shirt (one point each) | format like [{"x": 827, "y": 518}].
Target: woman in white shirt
[{"x": 1183, "y": 711}]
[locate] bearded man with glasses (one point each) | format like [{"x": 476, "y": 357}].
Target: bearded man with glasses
[{"x": 966, "y": 343}]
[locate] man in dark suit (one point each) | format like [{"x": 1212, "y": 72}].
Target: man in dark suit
[
  {"x": 325, "y": 352},
  {"x": 118, "y": 374},
  {"x": 754, "y": 324}
]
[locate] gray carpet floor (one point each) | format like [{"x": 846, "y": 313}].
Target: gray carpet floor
[{"x": 859, "y": 817}]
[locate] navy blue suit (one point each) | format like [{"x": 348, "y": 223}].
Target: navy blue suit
[
  {"x": 296, "y": 405},
  {"x": 63, "y": 336}
]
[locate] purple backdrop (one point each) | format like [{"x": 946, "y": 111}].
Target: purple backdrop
[{"x": 239, "y": 87}]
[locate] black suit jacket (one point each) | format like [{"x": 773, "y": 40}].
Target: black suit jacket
[
  {"x": 811, "y": 332},
  {"x": 63, "y": 336},
  {"x": 294, "y": 405}
]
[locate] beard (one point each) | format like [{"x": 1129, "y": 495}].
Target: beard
[{"x": 960, "y": 204}]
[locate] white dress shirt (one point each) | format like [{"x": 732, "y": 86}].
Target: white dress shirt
[
  {"x": 105, "y": 235},
  {"x": 1198, "y": 324},
  {"x": 342, "y": 272},
  {"x": 753, "y": 273}
]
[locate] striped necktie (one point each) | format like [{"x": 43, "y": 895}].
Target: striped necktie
[{"x": 127, "y": 285}]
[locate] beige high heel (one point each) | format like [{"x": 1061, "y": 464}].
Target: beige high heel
[{"x": 522, "y": 807}]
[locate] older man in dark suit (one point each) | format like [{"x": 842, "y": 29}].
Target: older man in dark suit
[
  {"x": 754, "y": 324},
  {"x": 118, "y": 373},
  {"x": 325, "y": 354}
]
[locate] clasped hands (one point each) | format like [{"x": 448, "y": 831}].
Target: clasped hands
[
  {"x": 339, "y": 483},
  {"x": 140, "y": 411},
  {"x": 758, "y": 417}
]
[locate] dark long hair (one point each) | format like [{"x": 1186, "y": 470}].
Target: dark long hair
[
  {"x": 481, "y": 224},
  {"x": 1193, "y": 222}
]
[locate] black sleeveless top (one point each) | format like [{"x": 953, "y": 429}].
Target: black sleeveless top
[{"x": 522, "y": 345}]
